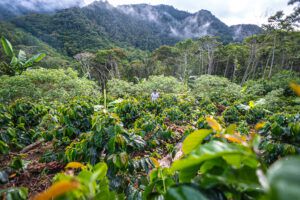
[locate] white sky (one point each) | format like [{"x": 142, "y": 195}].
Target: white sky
[{"x": 229, "y": 11}]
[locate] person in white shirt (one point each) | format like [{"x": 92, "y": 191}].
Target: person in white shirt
[{"x": 154, "y": 95}]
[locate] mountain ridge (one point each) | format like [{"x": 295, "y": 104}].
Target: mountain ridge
[{"x": 143, "y": 26}]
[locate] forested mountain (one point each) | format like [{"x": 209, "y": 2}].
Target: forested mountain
[
  {"x": 144, "y": 102},
  {"x": 12, "y": 8},
  {"x": 100, "y": 25},
  {"x": 241, "y": 31}
]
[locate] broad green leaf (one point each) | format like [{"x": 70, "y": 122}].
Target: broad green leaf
[
  {"x": 22, "y": 56},
  {"x": 7, "y": 47},
  {"x": 85, "y": 176},
  {"x": 187, "y": 174},
  {"x": 34, "y": 59},
  {"x": 184, "y": 193},
  {"x": 38, "y": 57},
  {"x": 100, "y": 172},
  {"x": 236, "y": 161},
  {"x": 284, "y": 179},
  {"x": 194, "y": 140},
  {"x": 14, "y": 61},
  {"x": 213, "y": 149}
]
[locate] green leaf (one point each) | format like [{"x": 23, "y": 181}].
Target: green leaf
[
  {"x": 7, "y": 47},
  {"x": 34, "y": 59},
  {"x": 4, "y": 149},
  {"x": 211, "y": 150},
  {"x": 284, "y": 179},
  {"x": 38, "y": 57},
  {"x": 14, "y": 61},
  {"x": 100, "y": 171},
  {"x": 194, "y": 140},
  {"x": 236, "y": 161},
  {"x": 187, "y": 174},
  {"x": 230, "y": 129},
  {"x": 22, "y": 56},
  {"x": 14, "y": 193},
  {"x": 184, "y": 193}
]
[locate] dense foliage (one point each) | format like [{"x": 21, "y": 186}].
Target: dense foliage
[
  {"x": 225, "y": 125},
  {"x": 48, "y": 85},
  {"x": 171, "y": 148}
]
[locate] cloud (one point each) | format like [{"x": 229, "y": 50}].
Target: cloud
[
  {"x": 41, "y": 5},
  {"x": 229, "y": 11}
]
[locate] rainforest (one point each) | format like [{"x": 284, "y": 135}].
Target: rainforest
[{"x": 147, "y": 102}]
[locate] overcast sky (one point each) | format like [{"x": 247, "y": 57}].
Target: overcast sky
[{"x": 229, "y": 11}]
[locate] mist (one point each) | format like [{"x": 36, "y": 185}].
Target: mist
[{"x": 21, "y": 6}]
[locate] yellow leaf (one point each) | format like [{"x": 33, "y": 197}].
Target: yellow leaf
[
  {"x": 296, "y": 88},
  {"x": 251, "y": 104},
  {"x": 236, "y": 138},
  {"x": 259, "y": 125},
  {"x": 213, "y": 124},
  {"x": 155, "y": 162},
  {"x": 57, "y": 189},
  {"x": 74, "y": 165}
]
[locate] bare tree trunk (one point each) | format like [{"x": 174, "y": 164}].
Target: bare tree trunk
[
  {"x": 283, "y": 60},
  {"x": 200, "y": 66},
  {"x": 273, "y": 56},
  {"x": 254, "y": 68},
  {"x": 185, "y": 64},
  {"x": 234, "y": 68},
  {"x": 210, "y": 63},
  {"x": 265, "y": 70},
  {"x": 250, "y": 61},
  {"x": 227, "y": 64}
]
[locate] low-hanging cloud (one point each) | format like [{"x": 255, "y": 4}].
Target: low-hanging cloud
[{"x": 40, "y": 5}]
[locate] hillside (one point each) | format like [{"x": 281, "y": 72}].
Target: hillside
[
  {"x": 142, "y": 102},
  {"x": 100, "y": 25},
  {"x": 32, "y": 45}
]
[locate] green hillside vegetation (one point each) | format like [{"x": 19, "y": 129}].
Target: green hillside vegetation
[
  {"x": 77, "y": 120},
  {"x": 24, "y": 40}
]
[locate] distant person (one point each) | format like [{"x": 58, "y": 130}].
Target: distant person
[{"x": 154, "y": 95}]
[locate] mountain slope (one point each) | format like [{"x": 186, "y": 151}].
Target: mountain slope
[
  {"x": 68, "y": 30},
  {"x": 100, "y": 25},
  {"x": 242, "y": 31},
  {"x": 31, "y": 45}
]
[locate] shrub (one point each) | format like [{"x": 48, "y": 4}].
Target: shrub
[
  {"x": 216, "y": 88},
  {"x": 45, "y": 84},
  {"x": 19, "y": 124},
  {"x": 163, "y": 84},
  {"x": 280, "y": 82},
  {"x": 128, "y": 111},
  {"x": 119, "y": 88},
  {"x": 231, "y": 114},
  {"x": 174, "y": 114}
]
